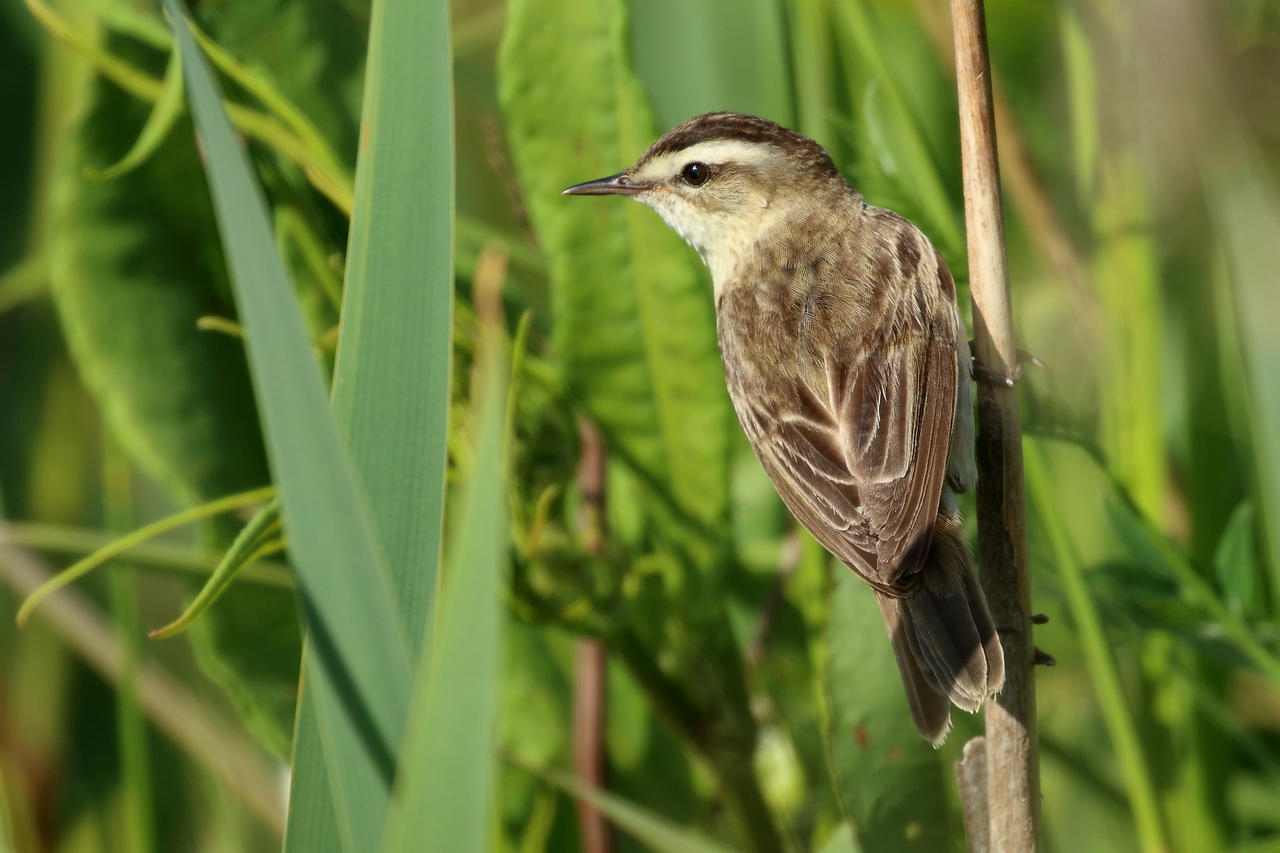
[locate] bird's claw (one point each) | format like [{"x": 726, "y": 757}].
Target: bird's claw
[
  {"x": 1042, "y": 658},
  {"x": 991, "y": 377}
]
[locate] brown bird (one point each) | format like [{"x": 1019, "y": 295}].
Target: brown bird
[{"x": 848, "y": 365}]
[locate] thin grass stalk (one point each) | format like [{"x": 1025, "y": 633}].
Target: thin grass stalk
[
  {"x": 590, "y": 659},
  {"x": 1139, "y": 787},
  {"x": 137, "y": 792},
  {"x": 1013, "y": 776},
  {"x": 234, "y": 760}
]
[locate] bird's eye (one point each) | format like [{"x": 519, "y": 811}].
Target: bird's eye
[{"x": 695, "y": 174}]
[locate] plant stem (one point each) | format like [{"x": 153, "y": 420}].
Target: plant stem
[
  {"x": 1121, "y": 726},
  {"x": 217, "y": 743},
  {"x": 591, "y": 662},
  {"x": 1013, "y": 779}
]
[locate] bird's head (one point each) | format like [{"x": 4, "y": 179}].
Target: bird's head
[{"x": 722, "y": 180}]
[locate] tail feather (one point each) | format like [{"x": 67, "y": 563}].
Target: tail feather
[
  {"x": 930, "y": 709},
  {"x": 943, "y": 637}
]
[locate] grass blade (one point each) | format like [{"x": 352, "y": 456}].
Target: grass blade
[
  {"x": 391, "y": 382},
  {"x": 362, "y": 651},
  {"x": 164, "y": 114},
  {"x": 137, "y": 537},
  {"x": 1097, "y": 655},
  {"x": 254, "y": 542},
  {"x": 1245, "y": 204},
  {"x": 447, "y": 770}
]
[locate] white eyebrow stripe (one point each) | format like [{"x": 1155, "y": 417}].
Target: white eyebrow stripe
[{"x": 713, "y": 151}]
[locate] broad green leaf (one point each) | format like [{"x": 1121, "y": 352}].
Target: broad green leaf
[
  {"x": 133, "y": 264},
  {"x": 743, "y": 69},
  {"x": 1144, "y": 568},
  {"x": 391, "y": 384},
  {"x": 307, "y": 56},
  {"x": 163, "y": 116},
  {"x": 444, "y": 788},
  {"x": 317, "y": 820},
  {"x": 891, "y": 783},
  {"x": 634, "y": 324},
  {"x": 362, "y": 651}
]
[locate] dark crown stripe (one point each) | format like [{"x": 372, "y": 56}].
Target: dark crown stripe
[{"x": 744, "y": 128}]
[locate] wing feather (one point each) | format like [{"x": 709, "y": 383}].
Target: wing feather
[{"x": 861, "y": 464}]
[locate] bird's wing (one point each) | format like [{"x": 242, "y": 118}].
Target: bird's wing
[{"x": 861, "y": 463}]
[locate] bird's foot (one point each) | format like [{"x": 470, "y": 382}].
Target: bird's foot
[
  {"x": 1041, "y": 658},
  {"x": 991, "y": 377}
]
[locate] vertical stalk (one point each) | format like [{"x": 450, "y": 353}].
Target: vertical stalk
[
  {"x": 1012, "y": 779},
  {"x": 591, "y": 662},
  {"x": 131, "y": 726}
]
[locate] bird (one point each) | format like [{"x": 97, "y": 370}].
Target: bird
[{"x": 847, "y": 363}]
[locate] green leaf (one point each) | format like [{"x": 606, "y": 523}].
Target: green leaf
[
  {"x": 1245, "y": 203},
  {"x": 1236, "y": 561},
  {"x": 650, "y": 829},
  {"x": 1121, "y": 726},
  {"x": 743, "y": 68},
  {"x": 361, "y": 648},
  {"x": 443, "y": 792},
  {"x": 841, "y": 840},
  {"x": 163, "y": 116},
  {"x": 137, "y": 537},
  {"x": 23, "y": 282},
  {"x": 133, "y": 264},
  {"x": 891, "y": 783},
  {"x": 303, "y": 61},
  {"x": 899, "y": 145},
  {"x": 634, "y": 322},
  {"x": 253, "y": 543},
  {"x": 391, "y": 382}
]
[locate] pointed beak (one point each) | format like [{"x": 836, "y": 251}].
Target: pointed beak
[{"x": 612, "y": 185}]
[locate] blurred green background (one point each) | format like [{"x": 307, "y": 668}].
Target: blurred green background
[{"x": 1140, "y": 149}]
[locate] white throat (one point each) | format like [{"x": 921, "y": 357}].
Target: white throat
[{"x": 723, "y": 241}]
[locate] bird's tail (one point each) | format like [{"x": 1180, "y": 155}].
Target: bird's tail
[{"x": 943, "y": 637}]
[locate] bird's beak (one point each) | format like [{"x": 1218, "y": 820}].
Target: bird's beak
[{"x": 612, "y": 185}]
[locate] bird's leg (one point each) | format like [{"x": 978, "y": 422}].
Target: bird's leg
[
  {"x": 1039, "y": 658},
  {"x": 982, "y": 374}
]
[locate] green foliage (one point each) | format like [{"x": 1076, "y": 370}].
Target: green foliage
[
  {"x": 446, "y": 771},
  {"x": 750, "y": 698},
  {"x": 869, "y": 734},
  {"x": 359, "y": 669},
  {"x": 640, "y": 353}
]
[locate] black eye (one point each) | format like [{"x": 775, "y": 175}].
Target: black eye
[{"x": 695, "y": 174}]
